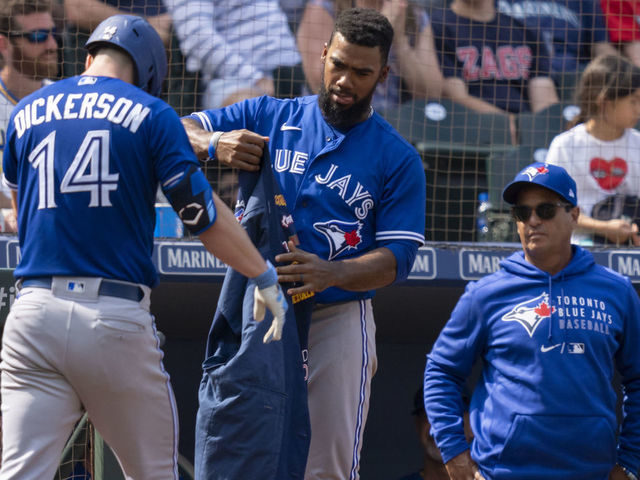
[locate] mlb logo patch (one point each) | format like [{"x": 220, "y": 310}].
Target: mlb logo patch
[
  {"x": 87, "y": 80},
  {"x": 577, "y": 348},
  {"x": 76, "y": 287}
]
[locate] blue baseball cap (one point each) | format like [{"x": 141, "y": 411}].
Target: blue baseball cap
[{"x": 551, "y": 177}]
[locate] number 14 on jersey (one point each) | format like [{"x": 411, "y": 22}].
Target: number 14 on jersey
[{"x": 89, "y": 171}]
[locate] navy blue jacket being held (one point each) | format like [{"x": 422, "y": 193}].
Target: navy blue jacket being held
[{"x": 253, "y": 418}]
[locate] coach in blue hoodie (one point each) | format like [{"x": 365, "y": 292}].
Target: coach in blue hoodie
[{"x": 551, "y": 328}]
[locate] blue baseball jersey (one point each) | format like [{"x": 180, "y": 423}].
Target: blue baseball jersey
[
  {"x": 86, "y": 155},
  {"x": 349, "y": 192},
  {"x": 496, "y": 59}
]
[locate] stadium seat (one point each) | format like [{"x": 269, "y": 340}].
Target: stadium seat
[
  {"x": 454, "y": 142},
  {"x": 501, "y": 169},
  {"x": 536, "y": 130},
  {"x": 566, "y": 85},
  {"x": 436, "y": 125}
]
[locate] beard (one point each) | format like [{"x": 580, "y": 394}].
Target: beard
[
  {"x": 339, "y": 116},
  {"x": 39, "y": 67}
]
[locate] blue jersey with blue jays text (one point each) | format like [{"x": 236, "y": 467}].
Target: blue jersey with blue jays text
[
  {"x": 349, "y": 192},
  {"x": 86, "y": 155},
  {"x": 495, "y": 59}
]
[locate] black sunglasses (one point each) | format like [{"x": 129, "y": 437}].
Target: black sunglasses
[
  {"x": 544, "y": 211},
  {"x": 36, "y": 36}
]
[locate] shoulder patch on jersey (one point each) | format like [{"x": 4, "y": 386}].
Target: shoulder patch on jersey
[
  {"x": 340, "y": 235},
  {"x": 239, "y": 210}
]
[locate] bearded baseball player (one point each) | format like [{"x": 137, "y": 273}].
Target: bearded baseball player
[
  {"x": 84, "y": 157},
  {"x": 356, "y": 190}
]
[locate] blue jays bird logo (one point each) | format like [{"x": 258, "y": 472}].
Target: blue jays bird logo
[
  {"x": 531, "y": 313},
  {"x": 239, "y": 210},
  {"x": 532, "y": 172},
  {"x": 341, "y": 235}
]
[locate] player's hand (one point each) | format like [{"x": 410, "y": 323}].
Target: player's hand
[
  {"x": 617, "y": 473},
  {"x": 462, "y": 467},
  {"x": 306, "y": 269},
  {"x": 241, "y": 149},
  {"x": 268, "y": 294}
]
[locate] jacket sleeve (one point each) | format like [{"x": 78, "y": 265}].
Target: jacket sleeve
[
  {"x": 448, "y": 366},
  {"x": 628, "y": 364}
]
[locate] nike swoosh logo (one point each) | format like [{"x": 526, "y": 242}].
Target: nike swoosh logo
[
  {"x": 544, "y": 349},
  {"x": 285, "y": 127}
]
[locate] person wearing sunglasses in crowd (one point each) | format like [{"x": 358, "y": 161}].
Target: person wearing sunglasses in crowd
[
  {"x": 551, "y": 327},
  {"x": 29, "y": 51}
]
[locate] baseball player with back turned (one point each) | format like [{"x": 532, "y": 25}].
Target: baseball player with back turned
[
  {"x": 85, "y": 156},
  {"x": 356, "y": 190}
]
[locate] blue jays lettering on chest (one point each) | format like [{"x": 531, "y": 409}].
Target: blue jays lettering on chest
[{"x": 350, "y": 190}]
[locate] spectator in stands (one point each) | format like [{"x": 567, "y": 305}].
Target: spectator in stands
[
  {"x": 432, "y": 466},
  {"x": 573, "y": 32},
  {"x": 82, "y": 16},
  {"x": 551, "y": 328},
  {"x": 237, "y": 47},
  {"x": 623, "y": 25},
  {"x": 414, "y": 71},
  {"x": 490, "y": 62},
  {"x": 602, "y": 152},
  {"x": 29, "y": 49},
  {"x": 293, "y": 9}
]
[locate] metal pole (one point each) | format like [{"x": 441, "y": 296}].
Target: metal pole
[{"x": 98, "y": 455}]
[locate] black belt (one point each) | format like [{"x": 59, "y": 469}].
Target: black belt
[{"x": 107, "y": 287}]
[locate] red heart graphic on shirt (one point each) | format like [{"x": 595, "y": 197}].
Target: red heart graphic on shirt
[{"x": 608, "y": 173}]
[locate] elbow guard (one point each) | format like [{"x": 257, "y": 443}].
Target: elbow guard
[{"x": 191, "y": 197}]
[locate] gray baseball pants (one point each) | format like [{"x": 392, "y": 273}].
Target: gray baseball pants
[
  {"x": 67, "y": 352},
  {"x": 342, "y": 362}
]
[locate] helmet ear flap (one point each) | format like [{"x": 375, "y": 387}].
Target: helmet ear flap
[{"x": 141, "y": 42}]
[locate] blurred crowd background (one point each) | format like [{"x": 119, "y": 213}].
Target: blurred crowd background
[{"x": 479, "y": 87}]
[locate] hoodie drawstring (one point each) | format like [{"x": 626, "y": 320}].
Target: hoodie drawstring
[{"x": 551, "y": 302}]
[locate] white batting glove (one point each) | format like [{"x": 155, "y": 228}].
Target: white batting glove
[{"x": 268, "y": 294}]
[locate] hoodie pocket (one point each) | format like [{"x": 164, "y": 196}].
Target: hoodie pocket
[{"x": 566, "y": 444}]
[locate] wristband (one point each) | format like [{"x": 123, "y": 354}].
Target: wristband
[
  {"x": 267, "y": 278},
  {"x": 213, "y": 144}
]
